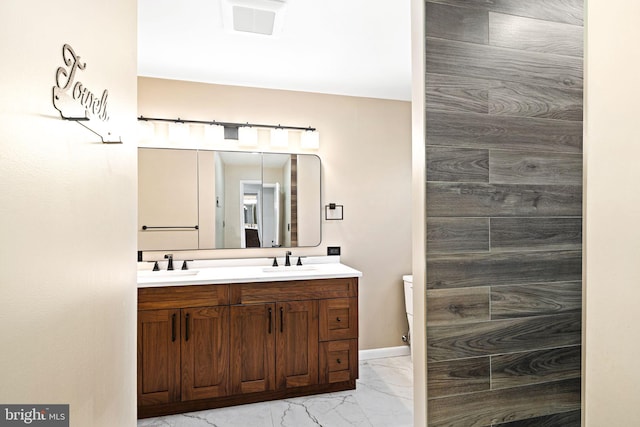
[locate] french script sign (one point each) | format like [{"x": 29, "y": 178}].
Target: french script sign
[{"x": 77, "y": 102}]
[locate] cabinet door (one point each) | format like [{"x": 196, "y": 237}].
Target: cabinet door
[
  {"x": 297, "y": 344},
  {"x": 338, "y": 319},
  {"x": 253, "y": 332},
  {"x": 158, "y": 356},
  {"x": 338, "y": 361},
  {"x": 205, "y": 352}
]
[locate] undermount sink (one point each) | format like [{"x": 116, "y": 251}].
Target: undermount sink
[
  {"x": 292, "y": 268},
  {"x": 167, "y": 273}
]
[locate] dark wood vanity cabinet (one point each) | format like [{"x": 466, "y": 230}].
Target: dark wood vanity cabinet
[
  {"x": 297, "y": 344},
  {"x": 183, "y": 344},
  {"x": 158, "y": 357},
  {"x": 274, "y": 346},
  {"x": 205, "y": 352},
  {"x": 173, "y": 354},
  {"x": 338, "y": 357},
  {"x": 253, "y": 344},
  {"x": 208, "y": 346}
]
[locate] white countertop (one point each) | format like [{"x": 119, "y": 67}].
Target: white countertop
[{"x": 244, "y": 271}]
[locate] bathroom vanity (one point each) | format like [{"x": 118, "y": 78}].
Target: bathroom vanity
[{"x": 226, "y": 335}]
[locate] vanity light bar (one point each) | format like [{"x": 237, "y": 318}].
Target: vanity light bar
[{"x": 225, "y": 124}]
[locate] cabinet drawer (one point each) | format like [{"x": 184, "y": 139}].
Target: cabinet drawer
[
  {"x": 338, "y": 361},
  {"x": 338, "y": 319},
  {"x": 246, "y": 293},
  {"x": 182, "y": 296}
]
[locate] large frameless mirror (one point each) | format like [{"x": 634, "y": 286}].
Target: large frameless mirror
[{"x": 204, "y": 199}]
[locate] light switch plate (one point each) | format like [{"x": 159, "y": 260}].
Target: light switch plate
[{"x": 333, "y": 250}]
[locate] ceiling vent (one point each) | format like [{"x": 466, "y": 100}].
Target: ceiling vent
[{"x": 264, "y": 17}]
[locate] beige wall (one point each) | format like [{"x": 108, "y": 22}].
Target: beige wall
[
  {"x": 67, "y": 214},
  {"x": 612, "y": 204},
  {"x": 365, "y": 147}
]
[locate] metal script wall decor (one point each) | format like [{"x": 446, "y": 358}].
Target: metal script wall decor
[{"x": 76, "y": 102}]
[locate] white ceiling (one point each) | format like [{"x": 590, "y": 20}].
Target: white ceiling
[{"x": 346, "y": 47}]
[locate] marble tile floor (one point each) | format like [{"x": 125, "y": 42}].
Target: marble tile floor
[{"x": 383, "y": 398}]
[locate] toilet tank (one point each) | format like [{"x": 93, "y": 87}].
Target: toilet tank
[{"x": 408, "y": 293}]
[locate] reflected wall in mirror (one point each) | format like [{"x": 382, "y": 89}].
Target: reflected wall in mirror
[{"x": 240, "y": 199}]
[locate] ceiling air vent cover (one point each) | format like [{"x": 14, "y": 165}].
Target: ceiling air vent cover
[{"x": 263, "y": 17}]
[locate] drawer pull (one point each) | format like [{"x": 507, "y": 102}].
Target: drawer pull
[
  {"x": 281, "y": 319},
  {"x": 338, "y": 319},
  {"x": 173, "y": 327},
  {"x": 339, "y": 361},
  {"x": 186, "y": 328}
]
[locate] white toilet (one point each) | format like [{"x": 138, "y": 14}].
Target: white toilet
[{"x": 408, "y": 303}]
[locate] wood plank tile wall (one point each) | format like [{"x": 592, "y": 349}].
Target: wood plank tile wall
[{"x": 504, "y": 203}]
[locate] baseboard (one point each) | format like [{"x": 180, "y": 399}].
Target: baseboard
[{"x": 379, "y": 353}]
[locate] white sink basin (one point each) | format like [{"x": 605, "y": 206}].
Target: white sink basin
[
  {"x": 292, "y": 268},
  {"x": 167, "y": 273}
]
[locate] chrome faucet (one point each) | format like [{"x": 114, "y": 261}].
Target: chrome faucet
[
  {"x": 170, "y": 258},
  {"x": 287, "y": 261}
]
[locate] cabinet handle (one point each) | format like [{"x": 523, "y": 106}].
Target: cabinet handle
[
  {"x": 281, "y": 319},
  {"x": 338, "y": 319},
  {"x": 173, "y": 327},
  {"x": 186, "y": 327},
  {"x": 339, "y": 361},
  {"x": 270, "y": 319}
]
